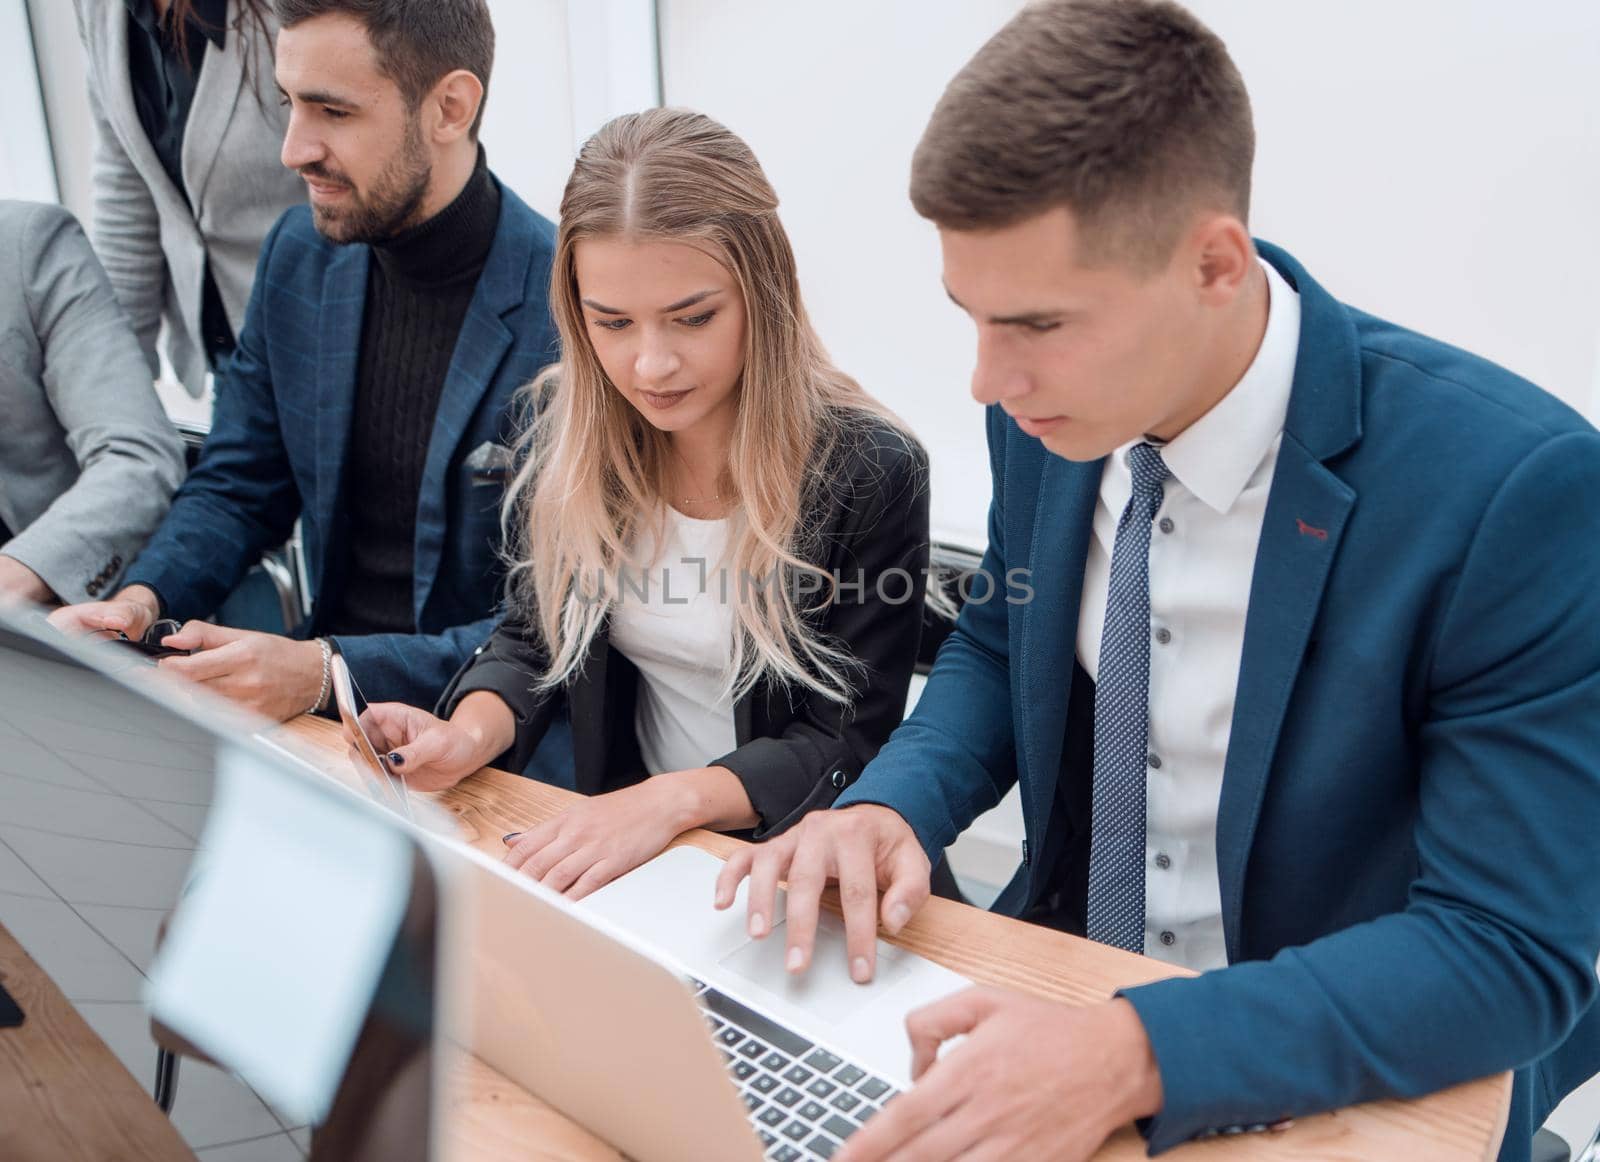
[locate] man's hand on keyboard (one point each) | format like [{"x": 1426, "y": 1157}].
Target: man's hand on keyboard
[
  {"x": 1030, "y": 1079},
  {"x": 866, "y": 848}
]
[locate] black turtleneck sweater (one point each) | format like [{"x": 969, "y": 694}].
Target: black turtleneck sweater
[{"x": 418, "y": 288}]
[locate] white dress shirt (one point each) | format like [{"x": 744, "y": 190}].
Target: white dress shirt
[
  {"x": 1202, "y": 556},
  {"x": 674, "y": 622}
]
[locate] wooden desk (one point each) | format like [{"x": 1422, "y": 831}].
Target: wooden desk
[
  {"x": 64, "y": 1096},
  {"x": 494, "y": 1120}
]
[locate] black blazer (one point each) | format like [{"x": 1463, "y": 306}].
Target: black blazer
[{"x": 797, "y": 750}]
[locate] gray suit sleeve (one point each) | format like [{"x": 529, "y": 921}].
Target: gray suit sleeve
[
  {"x": 130, "y": 460},
  {"x": 127, "y": 230}
]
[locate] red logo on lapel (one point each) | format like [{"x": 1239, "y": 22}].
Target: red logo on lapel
[{"x": 1311, "y": 530}]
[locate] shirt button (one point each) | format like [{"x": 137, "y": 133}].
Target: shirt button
[
  {"x": 1166, "y": 525},
  {"x": 1163, "y": 860},
  {"x": 1168, "y": 939},
  {"x": 1163, "y": 635},
  {"x": 1154, "y": 761}
]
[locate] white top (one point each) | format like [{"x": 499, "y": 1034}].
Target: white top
[
  {"x": 1202, "y": 556},
  {"x": 672, "y": 621}
]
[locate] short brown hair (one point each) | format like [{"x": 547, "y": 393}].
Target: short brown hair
[
  {"x": 1128, "y": 112},
  {"x": 416, "y": 41}
]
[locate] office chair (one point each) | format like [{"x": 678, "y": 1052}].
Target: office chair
[
  {"x": 950, "y": 568},
  {"x": 166, "y": 1087},
  {"x": 271, "y": 598},
  {"x": 1551, "y": 1147}
]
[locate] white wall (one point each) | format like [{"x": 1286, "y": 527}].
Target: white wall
[
  {"x": 27, "y": 170},
  {"x": 527, "y": 124},
  {"x": 832, "y": 96},
  {"x": 562, "y": 68},
  {"x": 1433, "y": 161},
  {"x": 1437, "y": 162}
]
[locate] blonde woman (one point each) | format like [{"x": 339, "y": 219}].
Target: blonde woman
[{"x": 724, "y": 538}]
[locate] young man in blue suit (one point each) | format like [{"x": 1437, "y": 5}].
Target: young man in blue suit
[
  {"x": 371, "y": 395},
  {"x": 1303, "y": 688}
]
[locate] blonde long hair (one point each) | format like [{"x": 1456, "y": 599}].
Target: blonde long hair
[{"x": 593, "y": 470}]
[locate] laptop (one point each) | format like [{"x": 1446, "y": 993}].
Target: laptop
[
  {"x": 127, "y": 798},
  {"x": 659, "y": 1025}
]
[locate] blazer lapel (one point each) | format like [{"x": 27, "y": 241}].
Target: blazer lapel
[
  {"x": 1307, "y": 512},
  {"x": 1305, "y": 519},
  {"x": 1063, "y": 518},
  {"x": 221, "y": 80},
  {"x": 120, "y": 108},
  {"x": 344, "y": 296},
  {"x": 480, "y": 349}
]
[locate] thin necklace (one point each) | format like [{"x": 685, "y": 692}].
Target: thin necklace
[{"x": 714, "y": 498}]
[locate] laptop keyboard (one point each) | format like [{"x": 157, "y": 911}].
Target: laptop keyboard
[{"x": 803, "y": 1100}]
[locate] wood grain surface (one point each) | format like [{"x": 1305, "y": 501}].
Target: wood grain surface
[{"x": 64, "y": 1096}]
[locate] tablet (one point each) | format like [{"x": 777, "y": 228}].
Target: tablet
[{"x": 381, "y": 782}]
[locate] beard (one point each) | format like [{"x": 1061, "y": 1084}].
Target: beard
[{"x": 389, "y": 207}]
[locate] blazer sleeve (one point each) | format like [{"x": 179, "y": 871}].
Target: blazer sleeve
[
  {"x": 129, "y": 458},
  {"x": 240, "y": 499},
  {"x": 412, "y": 667},
  {"x": 127, "y": 226},
  {"x": 1492, "y": 962},
  {"x": 955, "y": 756},
  {"x": 877, "y": 619},
  {"x": 509, "y": 663}
]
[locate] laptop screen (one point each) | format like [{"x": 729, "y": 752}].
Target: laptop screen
[{"x": 108, "y": 777}]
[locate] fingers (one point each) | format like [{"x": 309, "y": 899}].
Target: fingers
[
  {"x": 529, "y": 853},
  {"x": 734, "y": 869},
  {"x": 908, "y": 887},
  {"x": 598, "y": 876},
  {"x": 567, "y": 872},
  {"x": 933, "y": 1025},
  {"x": 858, "y": 897},
  {"x": 373, "y": 724},
  {"x": 808, "y": 873},
  {"x": 100, "y": 617},
  {"x": 949, "y": 1134},
  {"x": 898, "y": 1129},
  {"x": 209, "y": 664},
  {"x": 761, "y": 905},
  {"x": 200, "y": 635},
  {"x": 431, "y": 745}
]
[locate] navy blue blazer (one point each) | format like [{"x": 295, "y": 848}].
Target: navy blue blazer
[
  {"x": 1406, "y": 834},
  {"x": 281, "y": 431}
]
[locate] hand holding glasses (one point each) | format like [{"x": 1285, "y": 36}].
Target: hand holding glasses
[{"x": 150, "y": 644}]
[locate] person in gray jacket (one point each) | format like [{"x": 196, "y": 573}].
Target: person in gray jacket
[
  {"x": 88, "y": 460},
  {"x": 187, "y": 180}
]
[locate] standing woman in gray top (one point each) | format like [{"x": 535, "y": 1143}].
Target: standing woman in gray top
[{"x": 187, "y": 180}]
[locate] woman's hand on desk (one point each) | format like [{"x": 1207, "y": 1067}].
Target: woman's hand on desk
[
  {"x": 591, "y": 844},
  {"x": 429, "y": 753}
]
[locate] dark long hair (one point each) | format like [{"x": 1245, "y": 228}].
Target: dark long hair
[{"x": 250, "y": 21}]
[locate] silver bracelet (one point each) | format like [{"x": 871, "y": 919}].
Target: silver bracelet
[{"x": 327, "y": 676}]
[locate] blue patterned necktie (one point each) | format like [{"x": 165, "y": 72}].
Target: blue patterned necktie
[{"x": 1122, "y": 720}]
